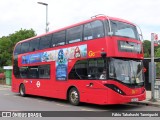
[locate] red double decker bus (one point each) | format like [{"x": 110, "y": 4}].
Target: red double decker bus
[{"x": 96, "y": 61}]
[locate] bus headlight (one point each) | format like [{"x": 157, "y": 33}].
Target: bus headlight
[{"x": 115, "y": 88}]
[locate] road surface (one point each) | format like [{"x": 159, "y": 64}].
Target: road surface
[{"x": 10, "y": 101}]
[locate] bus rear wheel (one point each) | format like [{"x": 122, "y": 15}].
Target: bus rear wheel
[
  {"x": 74, "y": 96},
  {"x": 22, "y": 90}
]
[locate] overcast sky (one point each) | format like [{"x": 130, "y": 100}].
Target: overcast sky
[{"x": 26, "y": 14}]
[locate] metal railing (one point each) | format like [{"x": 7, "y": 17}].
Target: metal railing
[{"x": 157, "y": 89}]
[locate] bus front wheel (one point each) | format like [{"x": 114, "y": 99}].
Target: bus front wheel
[
  {"x": 22, "y": 90},
  {"x": 74, "y": 96}
]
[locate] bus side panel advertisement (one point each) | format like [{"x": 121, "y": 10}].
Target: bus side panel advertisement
[
  {"x": 48, "y": 56},
  {"x": 61, "y": 65}
]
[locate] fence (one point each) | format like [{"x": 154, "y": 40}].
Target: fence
[
  {"x": 157, "y": 89},
  {"x": 2, "y": 78},
  {"x": 2, "y": 81}
]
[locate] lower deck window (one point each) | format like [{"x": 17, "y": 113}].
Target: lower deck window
[
  {"x": 44, "y": 71},
  {"x": 88, "y": 69},
  {"x": 36, "y": 72}
]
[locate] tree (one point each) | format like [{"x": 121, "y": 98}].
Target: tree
[
  {"x": 7, "y": 44},
  {"x": 147, "y": 53},
  {"x": 157, "y": 53},
  {"x": 147, "y": 48}
]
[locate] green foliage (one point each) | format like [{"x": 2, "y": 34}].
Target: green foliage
[
  {"x": 1, "y": 70},
  {"x": 7, "y": 44},
  {"x": 147, "y": 49},
  {"x": 157, "y": 69},
  {"x": 157, "y": 54}
]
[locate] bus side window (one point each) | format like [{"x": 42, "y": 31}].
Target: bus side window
[
  {"x": 23, "y": 72},
  {"x": 59, "y": 38},
  {"x": 17, "y": 50},
  {"x": 44, "y": 71},
  {"x": 33, "y": 72},
  {"x": 25, "y": 47},
  {"x": 45, "y": 42},
  {"x": 98, "y": 29},
  {"x": 92, "y": 69},
  {"x": 87, "y": 69},
  {"x": 16, "y": 70},
  {"x": 88, "y": 34},
  {"x": 79, "y": 71},
  {"x": 34, "y": 44},
  {"x": 53, "y": 43},
  {"x": 74, "y": 34},
  {"x": 100, "y": 67}
]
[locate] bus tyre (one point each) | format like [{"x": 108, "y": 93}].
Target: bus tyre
[
  {"x": 73, "y": 96},
  {"x": 22, "y": 90}
]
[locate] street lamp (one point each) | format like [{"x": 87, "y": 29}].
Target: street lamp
[{"x": 47, "y": 29}]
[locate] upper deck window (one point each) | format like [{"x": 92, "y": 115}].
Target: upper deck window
[
  {"x": 97, "y": 28},
  {"x": 17, "y": 49},
  {"x": 25, "y": 47},
  {"x": 74, "y": 34},
  {"x": 124, "y": 30},
  {"x": 58, "y": 38},
  {"x": 88, "y": 34},
  {"x": 93, "y": 30},
  {"x": 34, "y": 44},
  {"x": 45, "y": 42}
]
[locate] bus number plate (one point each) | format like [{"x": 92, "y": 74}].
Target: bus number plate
[{"x": 134, "y": 99}]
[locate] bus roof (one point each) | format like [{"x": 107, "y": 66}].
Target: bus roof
[{"x": 97, "y": 17}]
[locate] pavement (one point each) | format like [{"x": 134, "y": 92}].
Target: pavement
[
  {"x": 147, "y": 102},
  {"x": 5, "y": 86}
]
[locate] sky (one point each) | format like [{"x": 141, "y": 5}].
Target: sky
[{"x": 27, "y": 14}]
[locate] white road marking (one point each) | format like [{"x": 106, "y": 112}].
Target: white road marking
[
  {"x": 60, "y": 105},
  {"x": 87, "y": 109},
  {"x": 15, "y": 96}
]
